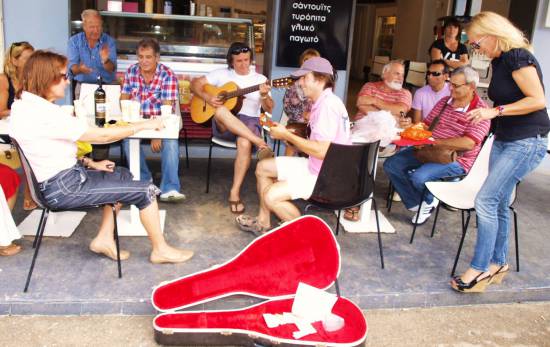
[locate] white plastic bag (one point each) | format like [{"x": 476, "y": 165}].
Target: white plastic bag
[{"x": 379, "y": 125}]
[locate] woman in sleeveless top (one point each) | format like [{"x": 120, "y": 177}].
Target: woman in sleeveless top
[{"x": 16, "y": 57}]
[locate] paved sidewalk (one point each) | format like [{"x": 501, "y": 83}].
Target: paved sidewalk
[{"x": 484, "y": 325}]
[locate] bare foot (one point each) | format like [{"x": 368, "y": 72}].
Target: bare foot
[
  {"x": 170, "y": 255},
  {"x": 98, "y": 247}
]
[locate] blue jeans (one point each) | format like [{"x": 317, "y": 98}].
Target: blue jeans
[
  {"x": 170, "y": 160},
  {"x": 79, "y": 187},
  {"x": 508, "y": 164},
  {"x": 408, "y": 175}
]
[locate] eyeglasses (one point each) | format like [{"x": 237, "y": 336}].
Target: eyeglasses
[
  {"x": 477, "y": 44},
  {"x": 64, "y": 76},
  {"x": 456, "y": 86},
  {"x": 239, "y": 50},
  {"x": 434, "y": 73}
]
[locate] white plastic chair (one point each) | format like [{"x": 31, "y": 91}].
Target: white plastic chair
[{"x": 417, "y": 74}]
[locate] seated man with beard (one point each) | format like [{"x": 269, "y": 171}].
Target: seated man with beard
[{"x": 387, "y": 95}]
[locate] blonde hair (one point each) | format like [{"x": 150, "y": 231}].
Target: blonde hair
[
  {"x": 14, "y": 52},
  {"x": 507, "y": 35},
  {"x": 308, "y": 53}
]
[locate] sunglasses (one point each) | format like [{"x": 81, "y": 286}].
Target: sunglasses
[
  {"x": 477, "y": 44},
  {"x": 239, "y": 50},
  {"x": 456, "y": 86},
  {"x": 434, "y": 73},
  {"x": 17, "y": 44},
  {"x": 63, "y": 76}
]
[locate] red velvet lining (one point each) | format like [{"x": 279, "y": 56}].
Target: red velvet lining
[
  {"x": 251, "y": 319},
  {"x": 272, "y": 265}
]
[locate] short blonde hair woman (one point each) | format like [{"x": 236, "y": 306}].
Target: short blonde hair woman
[
  {"x": 521, "y": 137},
  {"x": 15, "y": 59}
]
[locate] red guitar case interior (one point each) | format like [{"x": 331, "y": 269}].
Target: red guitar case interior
[{"x": 270, "y": 267}]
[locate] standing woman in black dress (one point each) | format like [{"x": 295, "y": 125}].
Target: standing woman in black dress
[
  {"x": 521, "y": 139},
  {"x": 449, "y": 47}
]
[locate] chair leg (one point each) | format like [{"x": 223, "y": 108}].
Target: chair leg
[
  {"x": 417, "y": 215},
  {"x": 337, "y": 286},
  {"x": 379, "y": 234},
  {"x": 435, "y": 219},
  {"x": 516, "y": 237},
  {"x": 389, "y": 201},
  {"x": 40, "y": 234},
  {"x": 208, "y": 167},
  {"x": 464, "y": 230},
  {"x": 38, "y": 229},
  {"x": 338, "y": 221},
  {"x": 186, "y": 150},
  {"x": 122, "y": 156},
  {"x": 115, "y": 233}
]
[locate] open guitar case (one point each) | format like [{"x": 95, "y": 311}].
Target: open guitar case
[{"x": 270, "y": 267}]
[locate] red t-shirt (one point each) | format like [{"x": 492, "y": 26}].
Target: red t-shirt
[{"x": 385, "y": 94}]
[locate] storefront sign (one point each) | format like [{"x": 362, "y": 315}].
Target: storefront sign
[{"x": 321, "y": 24}]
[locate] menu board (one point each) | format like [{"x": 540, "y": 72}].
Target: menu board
[{"x": 324, "y": 25}]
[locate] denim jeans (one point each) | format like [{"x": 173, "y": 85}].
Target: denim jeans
[
  {"x": 79, "y": 187},
  {"x": 408, "y": 175},
  {"x": 508, "y": 164},
  {"x": 170, "y": 159}
]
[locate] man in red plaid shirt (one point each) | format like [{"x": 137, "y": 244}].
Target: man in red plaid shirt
[{"x": 154, "y": 84}]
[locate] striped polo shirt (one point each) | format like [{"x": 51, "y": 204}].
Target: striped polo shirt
[
  {"x": 380, "y": 91},
  {"x": 454, "y": 123}
]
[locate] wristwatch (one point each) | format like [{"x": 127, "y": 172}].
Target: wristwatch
[{"x": 500, "y": 110}]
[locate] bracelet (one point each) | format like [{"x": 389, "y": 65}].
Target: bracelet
[{"x": 500, "y": 110}]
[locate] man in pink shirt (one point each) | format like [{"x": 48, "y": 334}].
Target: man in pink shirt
[
  {"x": 426, "y": 97},
  {"x": 282, "y": 179}
]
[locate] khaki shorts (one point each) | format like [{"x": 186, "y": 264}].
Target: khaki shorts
[{"x": 295, "y": 171}]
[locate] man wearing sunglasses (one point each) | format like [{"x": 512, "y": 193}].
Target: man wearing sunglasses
[
  {"x": 426, "y": 97},
  {"x": 244, "y": 128},
  {"x": 91, "y": 53}
]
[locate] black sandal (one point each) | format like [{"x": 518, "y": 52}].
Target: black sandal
[{"x": 474, "y": 286}]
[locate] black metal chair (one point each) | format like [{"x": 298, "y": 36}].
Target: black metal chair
[
  {"x": 346, "y": 179},
  {"x": 37, "y": 196}
]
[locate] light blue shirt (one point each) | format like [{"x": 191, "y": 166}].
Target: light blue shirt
[{"x": 80, "y": 52}]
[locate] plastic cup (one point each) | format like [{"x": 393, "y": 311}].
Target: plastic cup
[
  {"x": 135, "y": 108},
  {"x": 166, "y": 110},
  {"x": 126, "y": 109}
]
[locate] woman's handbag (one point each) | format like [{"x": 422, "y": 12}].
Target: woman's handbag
[
  {"x": 435, "y": 154},
  {"x": 9, "y": 156}
]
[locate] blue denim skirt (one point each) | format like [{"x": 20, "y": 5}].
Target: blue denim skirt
[{"x": 80, "y": 187}]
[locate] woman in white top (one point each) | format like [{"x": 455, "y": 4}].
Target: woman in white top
[{"x": 48, "y": 136}]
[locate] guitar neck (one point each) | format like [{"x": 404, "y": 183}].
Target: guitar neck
[{"x": 240, "y": 92}]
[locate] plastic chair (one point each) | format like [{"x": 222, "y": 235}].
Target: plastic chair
[
  {"x": 461, "y": 195},
  {"x": 37, "y": 196},
  {"x": 416, "y": 75},
  {"x": 346, "y": 179},
  {"x": 378, "y": 64}
]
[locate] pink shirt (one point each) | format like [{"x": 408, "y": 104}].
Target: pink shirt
[
  {"x": 377, "y": 90},
  {"x": 425, "y": 98},
  {"x": 329, "y": 121}
]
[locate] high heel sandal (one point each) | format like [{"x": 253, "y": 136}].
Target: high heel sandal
[
  {"x": 498, "y": 276},
  {"x": 474, "y": 286}
]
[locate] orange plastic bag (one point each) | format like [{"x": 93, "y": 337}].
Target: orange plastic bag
[{"x": 416, "y": 132}]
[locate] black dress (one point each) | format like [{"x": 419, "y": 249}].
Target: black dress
[
  {"x": 503, "y": 90},
  {"x": 446, "y": 53}
]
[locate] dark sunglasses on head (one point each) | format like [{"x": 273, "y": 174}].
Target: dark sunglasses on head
[
  {"x": 17, "y": 44},
  {"x": 434, "y": 73},
  {"x": 239, "y": 50}
]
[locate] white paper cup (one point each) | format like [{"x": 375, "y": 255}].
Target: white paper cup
[
  {"x": 135, "y": 107},
  {"x": 126, "y": 109},
  {"x": 165, "y": 110},
  {"x": 68, "y": 109}
]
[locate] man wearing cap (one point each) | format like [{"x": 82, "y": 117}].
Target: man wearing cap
[
  {"x": 244, "y": 128},
  {"x": 282, "y": 179}
]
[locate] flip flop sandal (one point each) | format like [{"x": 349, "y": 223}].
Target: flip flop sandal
[
  {"x": 250, "y": 224},
  {"x": 234, "y": 206},
  {"x": 351, "y": 214}
]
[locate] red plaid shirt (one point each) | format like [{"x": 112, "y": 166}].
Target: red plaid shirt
[{"x": 164, "y": 86}]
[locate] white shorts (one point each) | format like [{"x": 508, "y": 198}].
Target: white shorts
[{"x": 295, "y": 171}]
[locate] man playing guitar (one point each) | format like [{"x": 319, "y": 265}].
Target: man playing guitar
[{"x": 245, "y": 126}]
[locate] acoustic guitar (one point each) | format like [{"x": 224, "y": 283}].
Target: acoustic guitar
[{"x": 231, "y": 95}]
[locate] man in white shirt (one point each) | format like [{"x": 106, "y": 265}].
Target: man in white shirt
[
  {"x": 245, "y": 127},
  {"x": 426, "y": 97}
]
